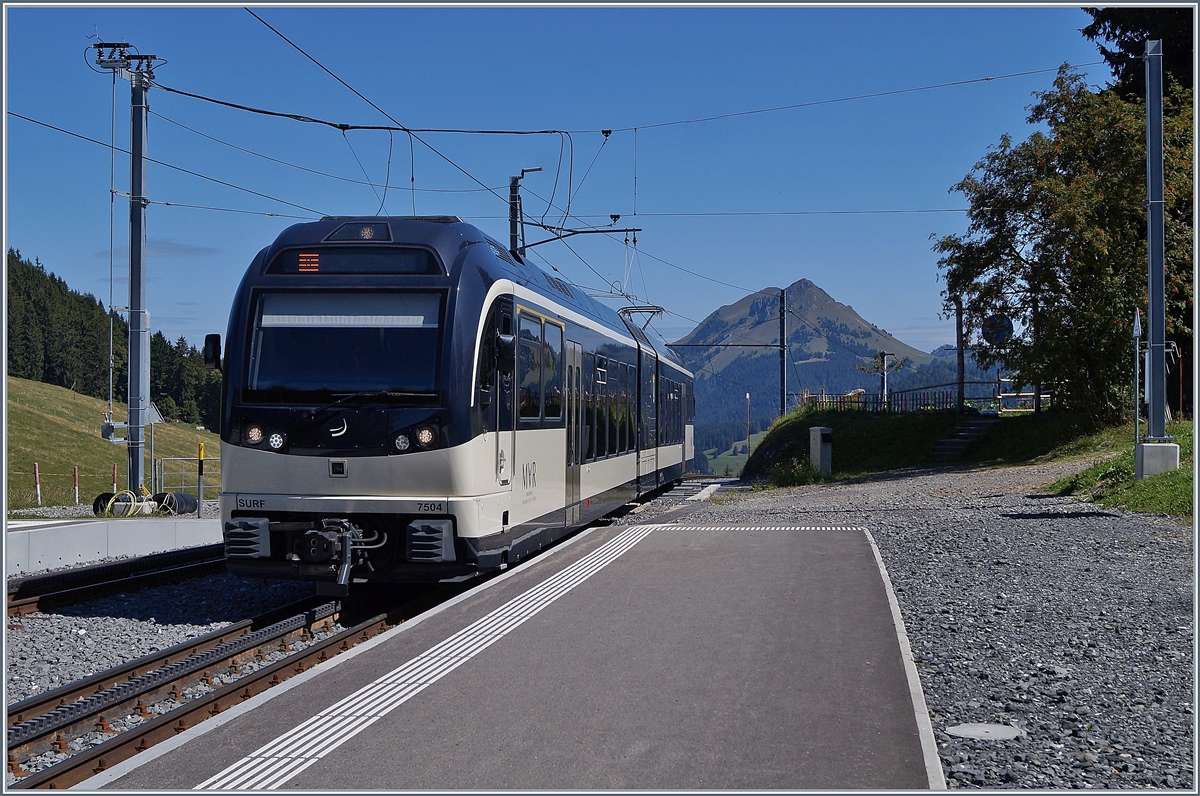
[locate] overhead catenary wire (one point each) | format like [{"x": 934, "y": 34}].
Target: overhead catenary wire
[
  {"x": 395, "y": 127},
  {"x": 387, "y": 175},
  {"x": 388, "y": 116},
  {"x": 167, "y": 165},
  {"x": 230, "y": 210},
  {"x": 815, "y": 103},
  {"x": 748, "y": 291},
  {"x": 410, "y": 132},
  {"x": 297, "y": 166},
  {"x": 114, "y": 149},
  {"x": 583, "y": 179},
  {"x": 364, "y": 168},
  {"x": 567, "y": 213}
]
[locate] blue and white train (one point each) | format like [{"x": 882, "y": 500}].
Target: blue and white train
[{"x": 406, "y": 399}]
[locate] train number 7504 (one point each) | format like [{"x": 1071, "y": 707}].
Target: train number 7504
[{"x": 431, "y": 508}]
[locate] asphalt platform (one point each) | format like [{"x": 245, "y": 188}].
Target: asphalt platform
[{"x": 639, "y": 657}]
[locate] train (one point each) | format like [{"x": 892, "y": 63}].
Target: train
[{"x": 405, "y": 399}]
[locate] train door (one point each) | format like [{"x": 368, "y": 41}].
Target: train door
[
  {"x": 574, "y": 410},
  {"x": 647, "y": 420}
]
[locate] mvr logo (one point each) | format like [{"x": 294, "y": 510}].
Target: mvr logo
[{"x": 529, "y": 475}]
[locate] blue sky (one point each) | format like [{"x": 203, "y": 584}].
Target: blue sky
[{"x": 580, "y": 70}]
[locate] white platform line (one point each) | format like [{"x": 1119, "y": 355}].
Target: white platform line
[
  {"x": 276, "y": 763},
  {"x": 933, "y": 764},
  {"x": 763, "y": 528}
]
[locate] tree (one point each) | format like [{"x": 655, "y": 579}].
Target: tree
[
  {"x": 58, "y": 336},
  {"x": 1129, "y": 28},
  {"x": 1056, "y": 242},
  {"x": 876, "y": 366}
]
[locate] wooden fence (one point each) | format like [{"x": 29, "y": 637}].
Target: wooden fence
[{"x": 930, "y": 399}]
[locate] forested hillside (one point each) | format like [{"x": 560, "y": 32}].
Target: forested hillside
[{"x": 58, "y": 336}]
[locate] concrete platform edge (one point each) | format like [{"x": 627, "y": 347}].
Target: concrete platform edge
[
  {"x": 126, "y": 766},
  {"x": 933, "y": 764},
  {"x": 56, "y": 544}
]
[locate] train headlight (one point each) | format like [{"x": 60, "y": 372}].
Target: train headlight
[
  {"x": 403, "y": 442},
  {"x": 254, "y": 435},
  {"x": 275, "y": 441},
  {"x": 426, "y": 436}
]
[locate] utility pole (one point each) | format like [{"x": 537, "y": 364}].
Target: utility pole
[
  {"x": 139, "y": 71},
  {"x": 1156, "y": 454},
  {"x": 1156, "y": 312},
  {"x": 883, "y": 355},
  {"x": 962, "y": 362},
  {"x": 782, "y": 353},
  {"x": 514, "y": 210}
]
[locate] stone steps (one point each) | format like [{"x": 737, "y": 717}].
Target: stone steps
[{"x": 951, "y": 449}]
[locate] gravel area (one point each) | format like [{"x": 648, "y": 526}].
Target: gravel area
[
  {"x": 46, "y": 650},
  {"x": 212, "y": 509},
  {"x": 1069, "y": 621}
]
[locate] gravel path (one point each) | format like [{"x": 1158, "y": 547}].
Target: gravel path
[{"x": 1067, "y": 620}]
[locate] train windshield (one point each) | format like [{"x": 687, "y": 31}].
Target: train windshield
[{"x": 312, "y": 345}]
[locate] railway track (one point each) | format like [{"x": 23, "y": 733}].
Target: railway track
[
  {"x": 136, "y": 692},
  {"x": 148, "y": 700},
  {"x": 44, "y": 592}
]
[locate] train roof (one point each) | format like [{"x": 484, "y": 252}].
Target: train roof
[{"x": 448, "y": 235}]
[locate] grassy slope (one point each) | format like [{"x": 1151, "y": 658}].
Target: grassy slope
[
  {"x": 59, "y": 429},
  {"x": 865, "y": 442},
  {"x": 1110, "y": 480},
  {"x": 719, "y": 460}
]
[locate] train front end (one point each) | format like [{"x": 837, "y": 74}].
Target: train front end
[{"x": 345, "y": 454}]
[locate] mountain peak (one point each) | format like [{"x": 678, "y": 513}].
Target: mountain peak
[{"x": 826, "y": 339}]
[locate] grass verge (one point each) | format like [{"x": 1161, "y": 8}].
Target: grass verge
[
  {"x": 863, "y": 442},
  {"x": 59, "y": 429},
  {"x": 1110, "y": 482}
]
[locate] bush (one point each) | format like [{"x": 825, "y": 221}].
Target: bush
[{"x": 795, "y": 473}]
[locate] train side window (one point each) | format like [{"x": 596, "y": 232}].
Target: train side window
[
  {"x": 618, "y": 400},
  {"x": 671, "y": 410},
  {"x": 631, "y": 402},
  {"x": 622, "y": 410},
  {"x": 487, "y": 353},
  {"x": 601, "y": 407},
  {"x": 529, "y": 368},
  {"x": 552, "y": 371},
  {"x": 589, "y": 407}
]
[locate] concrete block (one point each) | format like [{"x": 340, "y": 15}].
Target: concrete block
[
  {"x": 16, "y": 553},
  {"x": 68, "y": 545},
  {"x": 194, "y": 533},
  {"x": 1155, "y": 458},
  {"x": 820, "y": 448},
  {"x": 35, "y": 546},
  {"x": 137, "y": 537}
]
